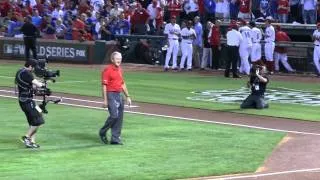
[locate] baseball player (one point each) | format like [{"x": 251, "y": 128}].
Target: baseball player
[
  {"x": 280, "y": 53},
  {"x": 316, "y": 51},
  {"x": 269, "y": 46},
  {"x": 245, "y": 48},
  {"x": 256, "y": 36},
  {"x": 172, "y": 30},
  {"x": 188, "y": 35}
]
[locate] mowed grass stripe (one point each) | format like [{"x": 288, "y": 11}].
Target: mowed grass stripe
[
  {"x": 173, "y": 89},
  {"x": 155, "y": 148}
]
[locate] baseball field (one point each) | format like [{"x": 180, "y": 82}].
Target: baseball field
[{"x": 181, "y": 125}]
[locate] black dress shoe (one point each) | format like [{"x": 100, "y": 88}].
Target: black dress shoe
[
  {"x": 236, "y": 76},
  {"x": 103, "y": 138},
  {"x": 116, "y": 143}
]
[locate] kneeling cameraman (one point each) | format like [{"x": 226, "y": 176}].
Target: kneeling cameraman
[
  {"x": 25, "y": 81},
  {"x": 258, "y": 83}
]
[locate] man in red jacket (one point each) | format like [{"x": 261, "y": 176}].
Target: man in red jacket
[
  {"x": 280, "y": 53},
  {"x": 214, "y": 40}
]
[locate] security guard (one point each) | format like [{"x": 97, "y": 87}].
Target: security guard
[
  {"x": 30, "y": 33},
  {"x": 234, "y": 39}
]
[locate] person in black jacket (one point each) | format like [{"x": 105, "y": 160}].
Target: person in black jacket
[
  {"x": 30, "y": 33},
  {"x": 258, "y": 85}
]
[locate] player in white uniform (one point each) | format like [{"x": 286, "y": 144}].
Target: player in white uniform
[
  {"x": 172, "y": 30},
  {"x": 269, "y": 46},
  {"x": 245, "y": 48},
  {"x": 188, "y": 35},
  {"x": 256, "y": 36},
  {"x": 316, "y": 51}
]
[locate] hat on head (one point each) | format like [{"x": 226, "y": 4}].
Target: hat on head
[{"x": 31, "y": 62}]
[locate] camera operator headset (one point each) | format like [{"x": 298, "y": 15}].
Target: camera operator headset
[
  {"x": 258, "y": 84},
  {"x": 25, "y": 81}
]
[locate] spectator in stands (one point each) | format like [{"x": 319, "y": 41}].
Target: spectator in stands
[
  {"x": 17, "y": 26},
  {"x": 265, "y": 8},
  {"x": 274, "y": 9},
  {"x": 175, "y": 9},
  {"x": 255, "y": 8},
  {"x": 139, "y": 20},
  {"x": 105, "y": 30},
  {"x": 234, "y": 9},
  {"x": 309, "y": 11},
  {"x": 68, "y": 32},
  {"x": 280, "y": 53},
  {"x": 123, "y": 26},
  {"x": 78, "y": 24},
  {"x": 57, "y": 12},
  {"x": 60, "y": 29},
  {"x": 116, "y": 10},
  {"x": 244, "y": 9},
  {"x": 49, "y": 31},
  {"x": 36, "y": 19},
  {"x": 191, "y": 9},
  {"x": 4, "y": 8},
  {"x": 127, "y": 12},
  {"x": 209, "y": 10},
  {"x": 283, "y": 10},
  {"x": 152, "y": 10},
  {"x": 219, "y": 10},
  {"x": 159, "y": 20}
]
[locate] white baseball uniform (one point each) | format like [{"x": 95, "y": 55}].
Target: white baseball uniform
[
  {"x": 186, "y": 47},
  {"x": 316, "y": 51},
  {"x": 256, "y": 36},
  {"x": 270, "y": 45},
  {"x": 245, "y": 49},
  {"x": 172, "y": 31},
  {"x": 283, "y": 58}
]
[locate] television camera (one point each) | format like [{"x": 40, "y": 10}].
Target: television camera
[{"x": 43, "y": 72}]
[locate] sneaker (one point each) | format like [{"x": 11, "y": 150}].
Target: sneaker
[{"x": 34, "y": 145}]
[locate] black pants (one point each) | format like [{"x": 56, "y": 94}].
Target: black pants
[
  {"x": 233, "y": 56},
  {"x": 30, "y": 43},
  {"x": 215, "y": 57},
  {"x": 255, "y": 102}
]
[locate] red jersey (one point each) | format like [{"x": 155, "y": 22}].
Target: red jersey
[
  {"x": 244, "y": 6},
  {"x": 4, "y": 8},
  {"x": 112, "y": 78},
  {"x": 283, "y": 6},
  {"x": 174, "y": 8},
  {"x": 201, "y": 6},
  {"x": 139, "y": 17},
  {"x": 159, "y": 18},
  {"x": 214, "y": 39},
  {"x": 281, "y": 37}
]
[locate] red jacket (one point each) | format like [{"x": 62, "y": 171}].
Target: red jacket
[
  {"x": 281, "y": 36},
  {"x": 214, "y": 39}
]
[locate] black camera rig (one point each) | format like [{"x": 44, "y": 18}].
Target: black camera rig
[{"x": 41, "y": 71}]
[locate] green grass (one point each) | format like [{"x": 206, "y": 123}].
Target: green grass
[
  {"x": 173, "y": 88},
  {"x": 155, "y": 148}
]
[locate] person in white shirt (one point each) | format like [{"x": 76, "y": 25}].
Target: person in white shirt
[
  {"x": 256, "y": 35},
  {"x": 269, "y": 46},
  {"x": 188, "y": 35},
  {"x": 172, "y": 30},
  {"x": 316, "y": 51},
  {"x": 234, "y": 39},
  {"x": 57, "y": 13},
  {"x": 116, "y": 10},
  {"x": 245, "y": 48},
  {"x": 152, "y": 10}
]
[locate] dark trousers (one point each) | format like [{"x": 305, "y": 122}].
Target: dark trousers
[
  {"x": 115, "y": 119},
  {"x": 30, "y": 44},
  {"x": 233, "y": 56},
  {"x": 215, "y": 57},
  {"x": 255, "y": 102}
]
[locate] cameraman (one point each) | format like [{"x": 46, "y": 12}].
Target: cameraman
[
  {"x": 258, "y": 83},
  {"x": 25, "y": 82}
]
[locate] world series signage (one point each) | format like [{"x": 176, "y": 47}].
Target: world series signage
[{"x": 76, "y": 52}]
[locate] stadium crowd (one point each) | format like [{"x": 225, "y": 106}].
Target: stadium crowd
[{"x": 101, "y": 19}]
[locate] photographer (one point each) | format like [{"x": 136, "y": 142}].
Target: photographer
[
  {"x": 258, "y": 83},
  {"x": 25, "y": 82}
]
